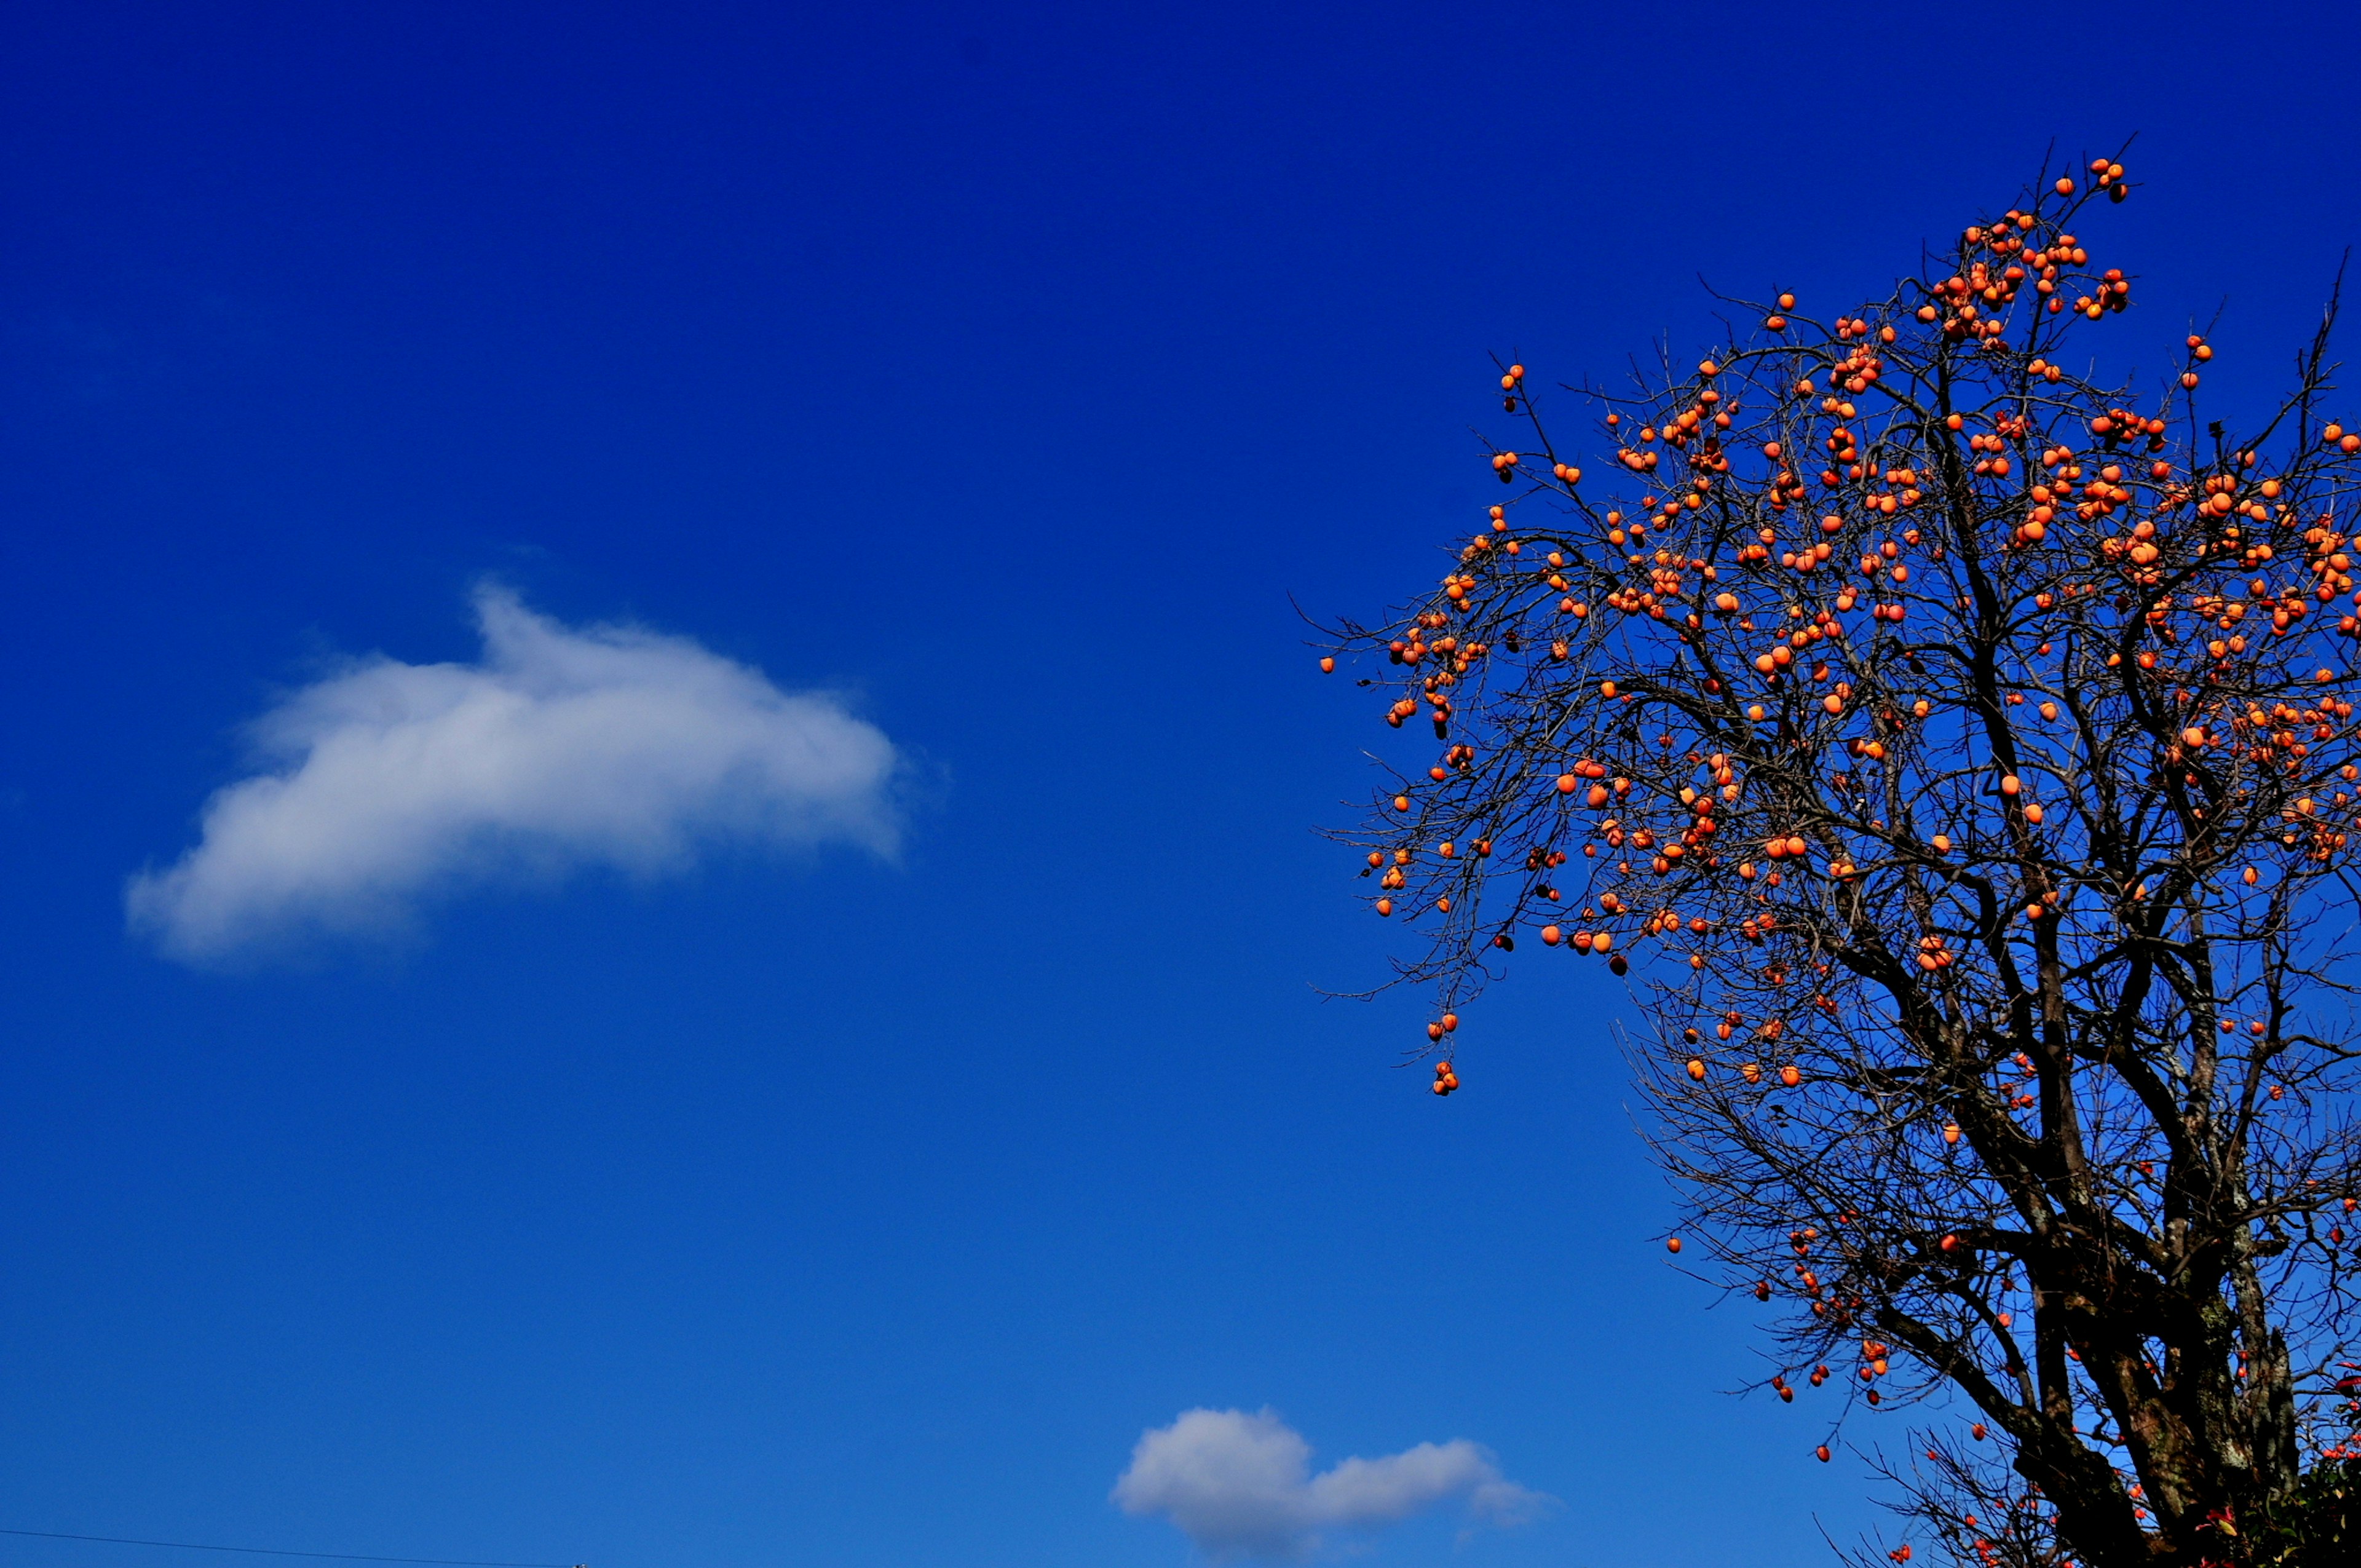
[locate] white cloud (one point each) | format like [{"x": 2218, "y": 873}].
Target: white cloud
[
  {"x": 386, "y": 784},
  {"x": 1241, "y": 1485}
]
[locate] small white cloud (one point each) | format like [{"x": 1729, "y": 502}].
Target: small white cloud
[
  {"x": 386, "y": 784},
  {"x": 1241, "y": 1485}
]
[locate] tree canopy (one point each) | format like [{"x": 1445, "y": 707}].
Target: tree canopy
[{"x": 1956, "y": 750}]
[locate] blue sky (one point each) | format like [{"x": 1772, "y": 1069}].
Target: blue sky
[{"x": 836, "y": 1131}]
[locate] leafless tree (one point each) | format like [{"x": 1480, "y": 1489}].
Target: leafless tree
[{"x": 1954, "y": 751}]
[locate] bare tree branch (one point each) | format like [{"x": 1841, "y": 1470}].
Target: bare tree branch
[{"x": 1959, "y": 756}]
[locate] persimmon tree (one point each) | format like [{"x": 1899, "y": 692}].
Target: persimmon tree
[{"x": 1956, "y": 750}]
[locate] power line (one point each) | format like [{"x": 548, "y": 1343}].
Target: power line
[{"x": 270, "y": 1552}]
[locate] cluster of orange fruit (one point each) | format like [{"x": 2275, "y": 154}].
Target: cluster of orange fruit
[{"x": 1513, "y": 594}]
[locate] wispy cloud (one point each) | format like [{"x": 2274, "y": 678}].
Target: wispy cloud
[
  {"x": 385, "y": 784},
  {"x": 1241, "y": 1485}
]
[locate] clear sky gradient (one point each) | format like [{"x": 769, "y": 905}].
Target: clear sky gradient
[{"x": 712, "y": 1153}]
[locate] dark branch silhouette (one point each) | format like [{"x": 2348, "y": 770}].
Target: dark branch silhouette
[{"x": 1958, "y": 754}]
